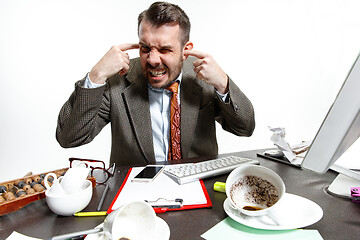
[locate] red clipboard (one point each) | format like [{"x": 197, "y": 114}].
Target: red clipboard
[{"x": 208, "y": 203}]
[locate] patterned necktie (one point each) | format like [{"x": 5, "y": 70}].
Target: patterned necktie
[{"x": 174, "y": 144}]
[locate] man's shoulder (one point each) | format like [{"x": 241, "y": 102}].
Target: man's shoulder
[
  {"x": 188, "y": 67},
  {"x": 188, "y": 62},
  {"x": 189, "y": 75},
  {"x": 135, "y": 65}
]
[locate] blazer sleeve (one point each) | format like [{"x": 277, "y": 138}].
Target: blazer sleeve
[
  {"x": 82, "y": 116},
  {"x": 237, "y": 114}
]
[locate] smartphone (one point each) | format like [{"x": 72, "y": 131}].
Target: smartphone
[{"x": 148, "y": 174}]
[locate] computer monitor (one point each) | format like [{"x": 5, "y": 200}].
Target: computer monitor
[{"x": 339, "y": 130}]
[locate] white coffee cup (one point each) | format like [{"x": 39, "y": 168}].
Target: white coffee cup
[
  {"x": 74, "y": 179},
  {"x": 68, "y": 204},
  {"x": 254, "y": 190},
  {"x": 55, "y": 188},
  {"x": 135, "y": 220}
]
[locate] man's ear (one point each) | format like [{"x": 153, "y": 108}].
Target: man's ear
[{"x": 188, "y": 46}]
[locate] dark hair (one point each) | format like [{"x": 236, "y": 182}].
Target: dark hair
[{"x": 160, "y": 13}]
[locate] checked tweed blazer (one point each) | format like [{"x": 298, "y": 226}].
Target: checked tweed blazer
[{"x": 123, "y": 101}]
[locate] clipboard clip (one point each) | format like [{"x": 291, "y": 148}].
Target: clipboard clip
[{"x": 165, "y": 203}]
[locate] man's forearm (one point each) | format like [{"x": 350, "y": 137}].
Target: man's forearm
[
  {"x": 237, "y": 115},
  {"x": 79, "y": 119}
]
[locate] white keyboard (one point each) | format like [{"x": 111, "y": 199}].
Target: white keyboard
[{"x": 184, "y": 173}]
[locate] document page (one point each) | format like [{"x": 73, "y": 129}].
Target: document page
[{"x": 161, "y": 187}]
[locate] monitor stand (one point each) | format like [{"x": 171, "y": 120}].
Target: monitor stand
[
  {"x": 349, "y": 172},
  {"x": 341, "y": 185}
]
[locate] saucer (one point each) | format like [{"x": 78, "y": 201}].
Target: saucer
[
  {"x": 287, "y": 215},
  {"x": 162, "y": 231}
]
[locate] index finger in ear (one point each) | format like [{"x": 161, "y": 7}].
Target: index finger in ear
[
  {"x": 128, "y": 46},
  {"x": 197, "y": 54}
]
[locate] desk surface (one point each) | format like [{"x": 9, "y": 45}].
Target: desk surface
[{"x": 340, "y": 220}]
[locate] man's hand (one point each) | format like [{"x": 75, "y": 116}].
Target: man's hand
[
  {"x": 116, "y": 60},
  {"x": 209, "y": 71}
]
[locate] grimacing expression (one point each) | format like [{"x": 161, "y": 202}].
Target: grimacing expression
[{"x": 161, "y": 53}]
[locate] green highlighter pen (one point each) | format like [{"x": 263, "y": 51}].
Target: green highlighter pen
[{"x": 220, "y": 187}]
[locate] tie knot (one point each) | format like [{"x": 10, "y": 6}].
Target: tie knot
[{"x": 173, "y": 87}]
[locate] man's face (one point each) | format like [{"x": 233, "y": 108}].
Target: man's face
[{"x": 161, "y": 53}]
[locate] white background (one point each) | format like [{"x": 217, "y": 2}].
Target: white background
[{"x": 289, "y": 56}]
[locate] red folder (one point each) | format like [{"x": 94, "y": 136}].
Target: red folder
[{"x": 208, "y": 203}]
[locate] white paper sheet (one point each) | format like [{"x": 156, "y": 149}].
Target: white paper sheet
[
  {"x": 295, "y": 154},
  {"x": 161, "y": 187},
  {"x": 18, "y": 236},
  {"x": 278, "y": 138}
]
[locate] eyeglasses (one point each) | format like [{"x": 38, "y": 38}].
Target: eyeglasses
[{"x": 98, "y": 169}]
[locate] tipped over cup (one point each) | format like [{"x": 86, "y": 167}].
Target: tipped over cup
[
  {"x": 135, "y": 220},
  {"x": 68, "y": 204},
  {"x": 254, "y": 190}
]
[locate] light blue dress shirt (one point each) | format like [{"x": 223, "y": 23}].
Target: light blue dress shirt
[{"x": 159, "y": 100}]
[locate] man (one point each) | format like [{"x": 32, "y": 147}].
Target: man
[{"x": 133, "y": 95}]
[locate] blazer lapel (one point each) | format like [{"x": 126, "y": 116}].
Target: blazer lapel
[{"x": 137, "y": 102}]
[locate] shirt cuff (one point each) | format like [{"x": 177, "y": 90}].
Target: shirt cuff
[
  {"x": 89, "y": 84},
  {"x": 223, "y": 97}
]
